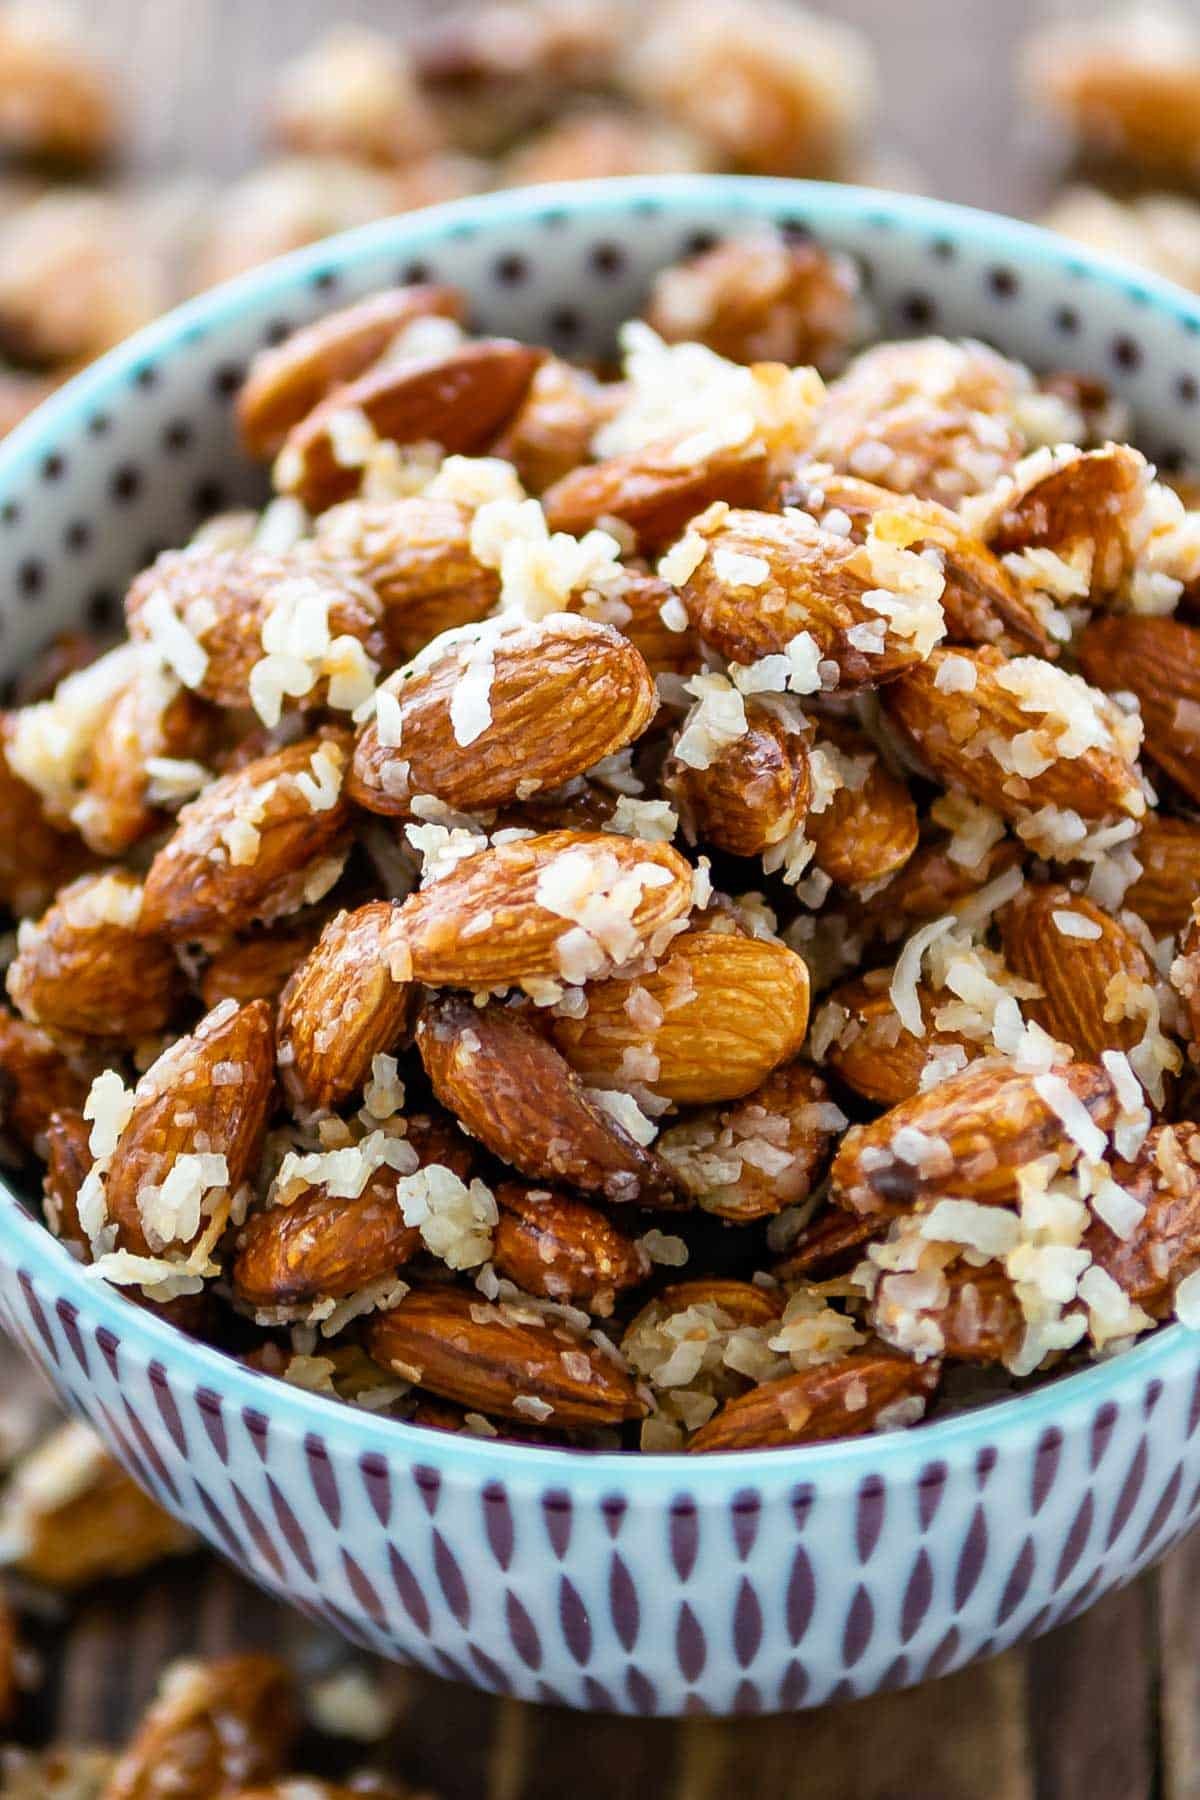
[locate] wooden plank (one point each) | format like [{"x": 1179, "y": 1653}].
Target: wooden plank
[
  {"x": 1176, "y": 1585},
  {"x": 1092, "y": 1705}
]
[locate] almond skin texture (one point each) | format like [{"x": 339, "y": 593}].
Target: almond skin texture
[
  {"x": 637, "y": 614},
  {"x": 752, "y": 794},
  {"x": 883, "y": 1061},
  {"x": 460, "y": 400},
  {"x": 815, "y": 582},
  {"x": 552, "y": 432},
  {"x": 80, "y": 970},
  {"x": 551, "y": 1243},
  {"x": 982, "y": 601},
  {"x": 210, "y": 878},
  {"x": 829, "y": 1245},
  {"x": 287, "y": 381},
  {"x": 951, "y": 732},
  {"x": 562, "y": 696},
  {"x": 1169, "y": 852},
  {"x": 774, "y": 1139},
  {"x": 114, "y": 812},
  {"x": 932, "y": 883},
  {"x": 323, "y": 1244},
  {"x": 415, "y": 553},
  {"x": 179, "y": 1107},
  {"x": 35, "y": 858},
  {"x": 1086, "y": 510},
  {"x": 656, "y": 490},
  {"x": 650, "y": 885},
  {"x": 343, "y": 1006},
  {"x": 36, "y": 1081},
  {"x": 224, "y": 597},
  {"x": 1074, "y": 972},
  {"x": 868, "y": 832},
  {"x": 993, "y": 1120},
  {"x": 1159, "y": 661},
  {"x": 214, "y": 1728},
  {"x": 980, "y": 1320},
  {"x": 508, "y": 1085},
  {"x": 733, "y": 1008},
  {"x": 761, "y": 299},
  {"x": 487, "y": 1358},
  {"x": 1164, "y": 1246},
  {"x": 817, "y": 1404},
  {"x": 68, "y": 1159},
  {"x": 258, "y": 967}
]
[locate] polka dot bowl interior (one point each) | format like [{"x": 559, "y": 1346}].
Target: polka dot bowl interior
[{"x": 739, "y": 1583}]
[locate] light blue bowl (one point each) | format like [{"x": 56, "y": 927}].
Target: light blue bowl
[{"x": 643, "y": 1584}]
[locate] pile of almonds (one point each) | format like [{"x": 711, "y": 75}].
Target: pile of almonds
[{"x": 653, "y": 909}]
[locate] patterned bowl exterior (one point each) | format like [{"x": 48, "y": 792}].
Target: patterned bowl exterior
[{"x": 660, "y": 1584}]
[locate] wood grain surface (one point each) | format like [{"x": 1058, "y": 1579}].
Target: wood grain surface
[{"x": 1107, "y": 1708}]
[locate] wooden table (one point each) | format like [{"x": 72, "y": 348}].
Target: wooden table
[{"x": 1108, "y": 1708}]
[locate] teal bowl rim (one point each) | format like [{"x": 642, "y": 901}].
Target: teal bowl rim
[{"x": 1171, "y": 1349}]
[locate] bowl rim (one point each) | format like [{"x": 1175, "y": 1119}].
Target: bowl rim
[{"x": 958, "y": 1438}]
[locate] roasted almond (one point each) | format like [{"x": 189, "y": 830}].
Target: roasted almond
[
  {"x": 710, "y": 1023},
  {"x": 460, "y": 400},
  {"x": 567, "y": 904},
  {"x": 415, "y": 553},
  {"x": 36, "y": 858},
  {"x": 323, "y": 1245},
  {"x": 152, "y": 718},
  {"x": 762, "y": 298},
  {"x": 83, "y": 967},
  {"x": 508, "y": 1086},
  {"x": 874, "y": 1052},
  {"x": 1020, "y": 734},
  {"x": 347, "y": 1001},
  {"x": 1158, "y": 660},
  {"x": 1085, "y": 962},
  {"x": 986, "y": 1123},
  {"x": 656, "y": 490},
  {"x": 868, "y": 827},
  {"x": 260, "y": 842},
  {"x": 552, "y": 431},
  {"x": 977, "y": 1318},
  {"x": 932, "y": 883},
  {"x": 982, "y": 601},
  {"x": 36, "y": 1081},
  {"x": 640, "y": 610},
  {"x": 258, "y": 967},
  {"x": 1163, "y": 1245},
  {"x": 829, "y": 1244},
  {"x": 1169, "y": 853},
  {"x": 209, "y": 1094},
  {"x": 751, "y": 1160},
  {"x": 1084, "y": 506},
  {"x": 841, "y": 1399},
  {"x": 68, "y": 1159},
  {"x": 222, "y": 599},
  {"x": 492, "y": 715},
  {"x": 752, "y": 793},
  {"x": 760, "y": 579},
  {"x": 288, "y": 380},
  {"x": 215, "y": 1728},
  {"x": 554, "y": 1244},
  {"x": 503, "y": 1359}
]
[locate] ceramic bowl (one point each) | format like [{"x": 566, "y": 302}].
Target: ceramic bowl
[{"x": 658, "y": 1584}]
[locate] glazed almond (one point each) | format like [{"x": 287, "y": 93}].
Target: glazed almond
[
  {"x": 83, "y": 967},
  {"x": 832, "y": 1400},
  {"x": 657, "y": 490},
  {"x": 346, "y": 1002},
  {"x": 1158, "y": 660},
  {"x": 214, "y": 1728},
  {"x": 551, "y": 1243}
]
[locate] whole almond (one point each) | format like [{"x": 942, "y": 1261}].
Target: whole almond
[
  {"x": 980, "y": 738},
  {"x": 68, "y": 1159},
  {"x": 1163, "y": 1246},
  {"x": 1085, "y": 506},
  {"x": 223, "y": 598},
  {"x": 214, "y": 1728},
  {"x": 869, "y": 827},
  {"x": 83, "y": 968},
  {"x": 1158, "y": 660},
  {"x": 347, "y": 1002},
  {"x": 552, "y": 1243},
  {"x": 507, "y": 1084},
  {"x": 832, "y": 1400},
  {"x": 765, "y": 577},
  {"x": 709, "y": 1023},
  {"x": 754, "y": 790},
  {"x": 979, "y": 1320},
  {"x": 211, "y": 1093},
  {"x": 257, "y": 967},
  {"x": 752, "y": 1159},
  {"x": 323, "y": 1245},
  {"x": 982, "y": 601},
  {"x": 1168, "y": 850},
  {"x": 640, "y": 611},
  {"x": 36, "y": 1081},
  {"x": 557, "y": 697},
  {"x": 573, "y": 904},
  {"x": 552, "y": 431},
  {"x": 460, "y": 400},
  {"x": 149, "y": 718},
  {"x": 987, "y": 1122},
  {"x": 874, "y": 1053},
  {"x": 656, "y": 490},
  {"x": 830, "y": 1244},
  {"x": 36, "y": 858},
  {"x": 932, "y": 883},
  {"x": 1076, "y": 953},
  {"x": 288, "y": 380},
  {"x": 415, "y": 553},
  {"x": 493, "y": 1358},
  {"x": 260, "y": 842}
]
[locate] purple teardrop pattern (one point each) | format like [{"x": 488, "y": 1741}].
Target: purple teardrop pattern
[
  {"x": 684, "y": 1535},
  {"x": 498, "y": 1522},
  {"x": 1127, "y": 1499},
  {"x": 931, "y": 1486},
  {"x": 323, "y": 1479},
  {"x": 1017, "y": 1585},
  {"x": 574, "y": 1621},
  {"x": 623, "y": 1603},
  {"x": 408, "y": 1588},
  {"x": 747, "y": 1625},
  {"x": 971, "y": 1558},
  {"x": 377, "y": 1484},
  {"x": 859, "y": 1628},
  {"x": 208, "y": 1405},
  {"x": 557, "y": 1516},
  {"x": 801, "y": 1596},
  {"x": 1075, "y": 1542},
  {"x": 917, "y": 1597},
  {"x": 450, "y": 1580},
  {"x": 1046, "y": 1459},
  {"x": 522, "y": 1632},
  {"x": 746, "y": 1514},
  {"x": 691, "y": 1650},
  {"x": 68, "y": 1318},
  {"x": 869, "y": 1511},
  {"x": 293, "y": 1532}
]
